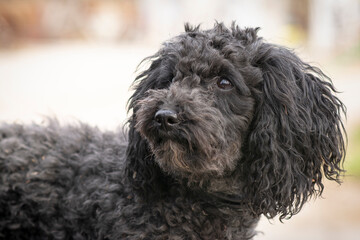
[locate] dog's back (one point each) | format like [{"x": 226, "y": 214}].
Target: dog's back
[{"x": 53, "y": 178}]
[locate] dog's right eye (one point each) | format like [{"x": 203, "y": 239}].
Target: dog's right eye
[{"x": 224, "y": 84}]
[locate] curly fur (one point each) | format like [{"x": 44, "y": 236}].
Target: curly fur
[{"x": 262, "y": 146}]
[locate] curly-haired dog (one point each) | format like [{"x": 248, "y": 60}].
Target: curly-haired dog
[{"x": 225, "y": 127}]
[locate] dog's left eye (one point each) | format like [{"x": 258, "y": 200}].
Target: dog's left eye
[{"x": 224, "y": 84}]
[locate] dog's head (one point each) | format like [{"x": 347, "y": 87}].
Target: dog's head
[{"x": 223, "y": 103}]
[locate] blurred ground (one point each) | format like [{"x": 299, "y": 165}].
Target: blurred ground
[{"x": 90, "y": 82}]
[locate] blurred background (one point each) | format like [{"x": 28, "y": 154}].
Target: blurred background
[{"x": 76, "y": 60}]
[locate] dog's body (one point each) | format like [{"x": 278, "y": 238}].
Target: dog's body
[
  {"x": 224, "y": 128},
  {"x": 68, "y": 183}
]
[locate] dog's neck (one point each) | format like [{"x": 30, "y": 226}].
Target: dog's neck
[{"x": 225, "y": 190}]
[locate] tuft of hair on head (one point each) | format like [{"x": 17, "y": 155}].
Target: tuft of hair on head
[{"x": 190, "y": 29}]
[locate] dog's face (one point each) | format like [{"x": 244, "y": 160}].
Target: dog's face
[
  {"x": 196, "y": 120},
  {"x": 223, "y": 103}
]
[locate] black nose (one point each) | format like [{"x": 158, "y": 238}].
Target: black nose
[{"x": 166, "y": 117}]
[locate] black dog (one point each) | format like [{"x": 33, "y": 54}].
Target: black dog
[{"x": 224, "y": 128}]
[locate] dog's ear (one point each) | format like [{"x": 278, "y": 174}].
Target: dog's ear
[
  {"x": 142, "y": 172},
  {"x": 296, "y": 137}
]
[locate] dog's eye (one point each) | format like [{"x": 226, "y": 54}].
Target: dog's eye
[{"x": 224, "y": 84}]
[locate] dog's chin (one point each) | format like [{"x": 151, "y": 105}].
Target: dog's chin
[{"x": 184, "y": 160}]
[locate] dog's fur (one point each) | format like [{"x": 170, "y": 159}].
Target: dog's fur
[{"x": 256, "y": 131}]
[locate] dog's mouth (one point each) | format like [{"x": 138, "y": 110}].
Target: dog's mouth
[
  {"x": 162, "y": 139},
  {"x": 180, "y": 137},
  {"x": 179, "y": 157}
]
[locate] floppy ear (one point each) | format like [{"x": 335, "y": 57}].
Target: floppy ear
[
  {"x": 296, "y": 137},
  {"x": 142, "y": 172}
]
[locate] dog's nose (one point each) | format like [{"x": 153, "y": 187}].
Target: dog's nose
[{"x": 166, "y": 117}]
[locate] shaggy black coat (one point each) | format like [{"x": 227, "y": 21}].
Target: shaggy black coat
[{"x": 224, "y": 128}]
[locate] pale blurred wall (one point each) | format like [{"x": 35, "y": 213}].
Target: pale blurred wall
[
  {"x": 334, "y": 23},
  {"x": 164, "y": 18},
  {"x": 322, "y": 24}
]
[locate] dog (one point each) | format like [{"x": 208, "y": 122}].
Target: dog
[{"x": 223, "y": 128}]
